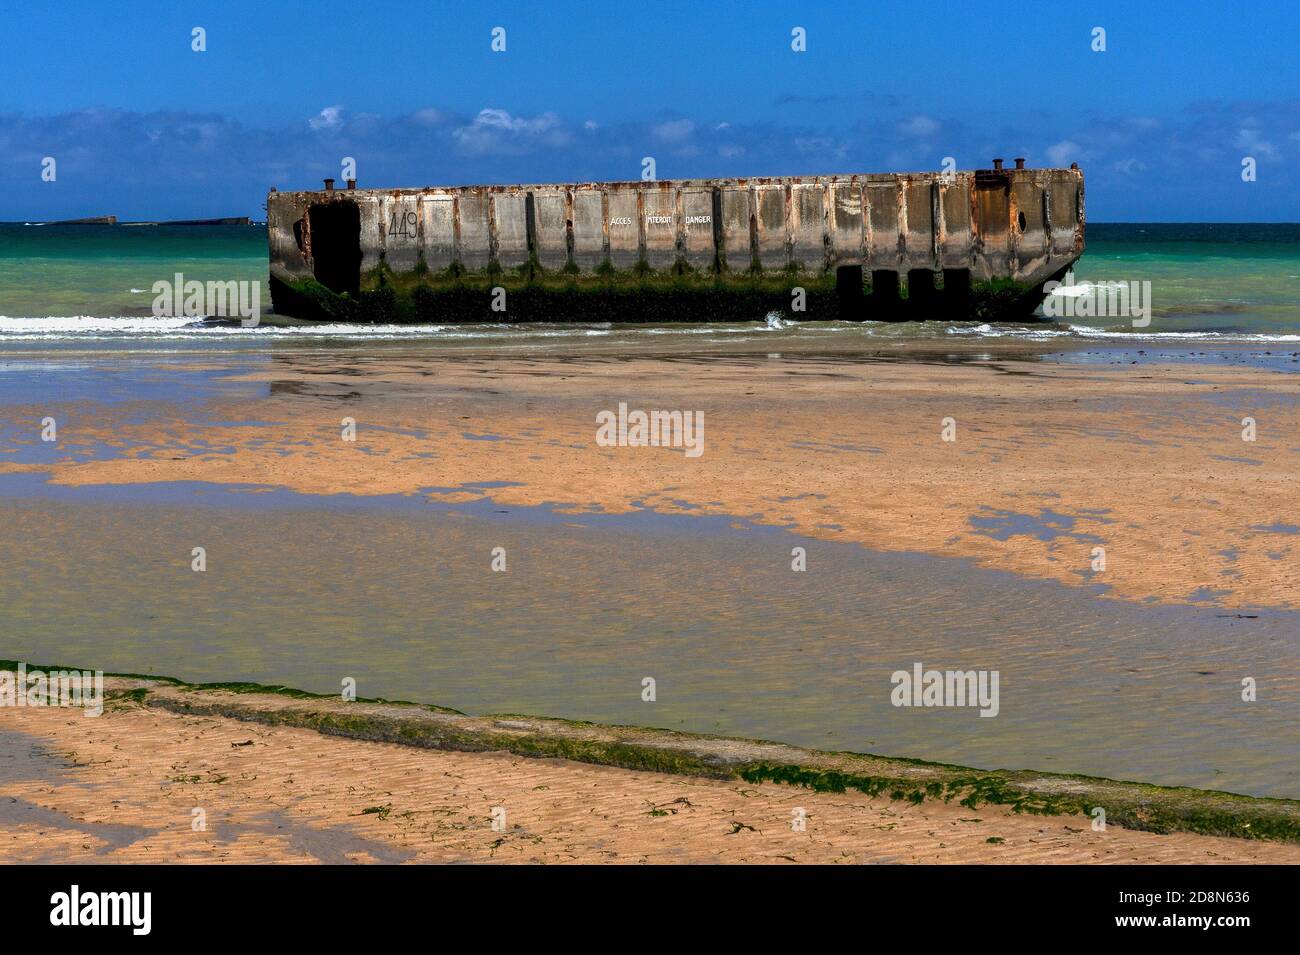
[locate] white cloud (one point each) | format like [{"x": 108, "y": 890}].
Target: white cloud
[
  {"x": 500, "y": 119},
  {"x": 497, "y": 130},
  {"x": 1064, "y": 152},
  {"x": 1255, "y": 145},
  {"x": 921, "y": 127},
  {"x": 674, "y": 132},
  {"x": 331, "y": 117},
  {"x": 429, "y": 116},
  {"x": 823, "y": 147}
]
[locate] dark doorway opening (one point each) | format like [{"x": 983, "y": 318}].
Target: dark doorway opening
[
  {"x": 885, "y": 303},
  {"x": 848, "y": 293},
  {"x": 956, "y": 287},
  {"x": 921, "y": 294},
  {"x": 335, "y": 229}
]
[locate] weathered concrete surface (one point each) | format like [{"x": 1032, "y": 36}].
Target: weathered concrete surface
[{"x": 1022, "y": 225}]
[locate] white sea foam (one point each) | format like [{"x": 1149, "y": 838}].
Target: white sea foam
[
  {"x": 1007, "y": 331},
  {"x": 180, "y": 329},
  {"x": 90, "y": 325},
  {"x": 1106, "y": 334},
  {"x": 1227, "y": 337},
  {"x": 1083, "y": 288},
  {"x": 86, "y": 327}
]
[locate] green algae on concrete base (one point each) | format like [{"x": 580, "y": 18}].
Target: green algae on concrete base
[
  {"x": 1130, "y": 805},
  {"x": 527, "y": 294}
]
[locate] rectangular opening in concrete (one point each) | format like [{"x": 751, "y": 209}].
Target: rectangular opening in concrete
[
  {"x": 335, "y": 229},
  {"x": 921, "y": 295},
  {"x": 884, "y": 304},
  {"x": 956, "y": 286},
  {"x": 849, "y": 293}
]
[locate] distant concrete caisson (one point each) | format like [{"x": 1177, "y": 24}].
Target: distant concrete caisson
[{"x": 976, "y": 244}]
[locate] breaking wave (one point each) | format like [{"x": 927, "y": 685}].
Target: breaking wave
[{"x": 84, "y": 328}]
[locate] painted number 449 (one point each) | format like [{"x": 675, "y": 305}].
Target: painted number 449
[{"x": 402, "y": 224}]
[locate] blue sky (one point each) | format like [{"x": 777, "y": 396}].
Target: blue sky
[{"x": 142, "y": 126}]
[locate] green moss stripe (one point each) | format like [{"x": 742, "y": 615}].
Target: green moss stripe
[{"x": 1132, "y": 805}]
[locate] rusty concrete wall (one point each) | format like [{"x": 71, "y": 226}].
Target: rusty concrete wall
[{"x": 1026, "y": 224}]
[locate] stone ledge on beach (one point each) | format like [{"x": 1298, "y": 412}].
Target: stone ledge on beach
[{"x": 1130, "y": 805}]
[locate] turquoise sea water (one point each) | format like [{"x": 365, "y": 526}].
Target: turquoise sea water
[
  {"x": 93, "y": 284},
  {"x": 1225, "y": 278},
  {"x": 108, "y": 271}
]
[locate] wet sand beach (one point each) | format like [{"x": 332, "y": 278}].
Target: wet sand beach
[
  {"x": 371, "y": 559},
  {"x": 142, "y": 785},
  {"x": 1050, "y": 459}
]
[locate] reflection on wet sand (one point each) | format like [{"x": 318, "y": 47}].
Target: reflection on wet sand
[
  {"x": 1147, "y": 463},
  {"x": 399, "y": 595}
]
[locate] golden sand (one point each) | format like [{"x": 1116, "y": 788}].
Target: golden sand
[
  {"x": 125, "y": 787},
  {"x": 1050, "y": 461}
]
